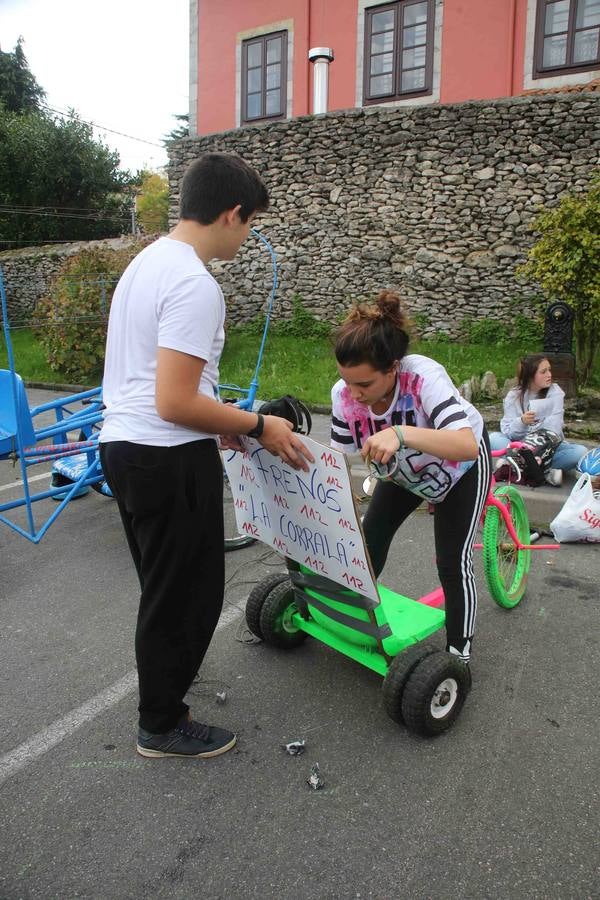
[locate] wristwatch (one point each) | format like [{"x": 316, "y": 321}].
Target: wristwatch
[{"x": 258, "y": 428}]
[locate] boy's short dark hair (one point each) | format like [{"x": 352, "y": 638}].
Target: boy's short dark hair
[{"x": 217, "y": 182}]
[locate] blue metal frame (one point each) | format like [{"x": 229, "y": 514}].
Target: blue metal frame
[
  {"x": 66, "y": 420},
  {"x": 249, "y": 394}
]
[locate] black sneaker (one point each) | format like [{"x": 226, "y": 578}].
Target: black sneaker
[{"x": 188, "y": 738}]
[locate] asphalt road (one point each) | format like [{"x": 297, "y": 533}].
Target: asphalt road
[{"x": 504, "y": 805}]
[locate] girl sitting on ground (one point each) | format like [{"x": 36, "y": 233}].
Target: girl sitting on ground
[
  {"x": 537, "y": 403},
  {"x": 403, "y": 408}
]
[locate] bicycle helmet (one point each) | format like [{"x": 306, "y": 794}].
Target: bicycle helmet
[
  {"x": 290, "y": 408},
  {"x": 590, "y": 463}
]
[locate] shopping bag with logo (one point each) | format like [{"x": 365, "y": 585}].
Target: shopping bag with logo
[{"x": 579, "y": 519}]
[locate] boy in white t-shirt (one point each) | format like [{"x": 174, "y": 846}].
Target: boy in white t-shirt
[{"x": 158, "y": 443}]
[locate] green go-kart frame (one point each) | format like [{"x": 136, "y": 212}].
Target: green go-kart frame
[{"x": 423, "y": 688}]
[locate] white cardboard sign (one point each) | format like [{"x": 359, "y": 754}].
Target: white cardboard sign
[{"x": 307, "y": 516}]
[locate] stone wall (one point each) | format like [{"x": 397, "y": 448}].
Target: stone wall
[
  {"x": 434, "y": 201},
  {"x": 28, "y": 272}
]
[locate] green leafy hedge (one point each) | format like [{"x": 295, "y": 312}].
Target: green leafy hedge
[{"x": 71, "y": 320}]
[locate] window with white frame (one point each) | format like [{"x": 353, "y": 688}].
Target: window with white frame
[
  {"x": 567, "y": 37},
  {"x": 264, "y": 77},
  {"x": 398, "y": 56}
]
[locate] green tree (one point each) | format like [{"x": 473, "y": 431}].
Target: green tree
[
  {"x": 180, "y": 131},
  {"x": 19, "y": 90},
  {"x": 57, "y": 182},
  {"x": 153, "y": 203},
  {"x": 565, "y": 261}
]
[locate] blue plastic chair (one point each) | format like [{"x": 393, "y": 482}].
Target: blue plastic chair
[{"x": 15, "y": 416}]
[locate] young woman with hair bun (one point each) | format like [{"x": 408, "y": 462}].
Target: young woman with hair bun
[{"x": 400, "y": 408}]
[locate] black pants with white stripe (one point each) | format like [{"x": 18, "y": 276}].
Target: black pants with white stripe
[{"x": 455, "y": 525}]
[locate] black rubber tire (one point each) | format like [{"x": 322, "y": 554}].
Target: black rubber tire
[
  {"x": 236, "y": 543},
  {"x": 274, "y": 618},
  {"x": 421, "y": 695},
  {"x": 256, "y": 599},
  {"x": 396, "y": 677}
]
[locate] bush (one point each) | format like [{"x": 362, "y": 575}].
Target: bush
[
  {"x": 521, "y": 329},
  {"x": 302, "y": 323},
  {"x": 528, "y": 331},
  {"x": 485, "y": 331},
  {"x": 564, "y": 261},
  {"x": 72, "y": 320}
]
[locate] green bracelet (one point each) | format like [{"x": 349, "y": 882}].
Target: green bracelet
[{"x": 399, "y": 435}]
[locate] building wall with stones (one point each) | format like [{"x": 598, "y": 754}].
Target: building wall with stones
[
  {"x": 27, "y": 273},
  {"x": 434, "y": 201}
]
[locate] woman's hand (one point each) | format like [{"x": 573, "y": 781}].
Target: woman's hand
[
  {"x": 458, "y": 444},
  {"x": 529, "y": 417},
  {"x": 381, "y": 447}
]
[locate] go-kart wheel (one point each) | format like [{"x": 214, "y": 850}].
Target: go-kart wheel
[
  {"x": 396, "y": 677},
  {"x": 256, "y": 599},
  {"x": 434, "y": 693},
  {"x": 275, "y": 621}
]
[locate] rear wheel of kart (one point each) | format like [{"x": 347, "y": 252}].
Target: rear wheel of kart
[
  {"x": 396, "y": 677},
  {"x": 233, "y": 539},
  {"x": 276, "y": 624},
  {"x": 257, "y": 597},
  {"x": 435, "y": 693}
]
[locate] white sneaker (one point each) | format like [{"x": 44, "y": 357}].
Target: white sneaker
[{"x": 554, "y": 477}]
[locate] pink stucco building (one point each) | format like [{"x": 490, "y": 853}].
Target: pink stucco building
[{"x": 249, "y": 58}]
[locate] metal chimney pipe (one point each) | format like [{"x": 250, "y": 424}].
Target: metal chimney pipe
[{"x": 320, "y": 57}]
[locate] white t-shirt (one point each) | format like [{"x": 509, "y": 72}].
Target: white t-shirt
[
  {"x": 165, "y": 298},
  {"x": 424, "y": 397}
]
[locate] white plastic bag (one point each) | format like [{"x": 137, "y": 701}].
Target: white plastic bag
[{"x": 579, "y": 519}]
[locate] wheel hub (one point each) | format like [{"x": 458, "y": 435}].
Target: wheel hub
[
  {"x": 286, "y": 620},
  {"x": 444, "y": 698}
]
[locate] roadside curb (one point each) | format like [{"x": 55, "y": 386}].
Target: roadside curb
[
  {"x": 67, "y": 388},
  {"x": 572, "y": 432}
]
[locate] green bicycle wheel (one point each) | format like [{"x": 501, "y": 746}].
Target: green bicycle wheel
[{"x": 506, "y": 566}]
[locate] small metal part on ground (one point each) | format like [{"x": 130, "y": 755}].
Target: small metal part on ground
[
  {"x": 315, "y": 781},
  {"x": 295, "y": 748}
]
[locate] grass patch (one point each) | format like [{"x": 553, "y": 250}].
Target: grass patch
[
  {"x": 303, "y": 366},
  {"x": 29, "y": 356}
]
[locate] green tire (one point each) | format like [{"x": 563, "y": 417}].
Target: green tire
[{"x": 506, "y": 566}]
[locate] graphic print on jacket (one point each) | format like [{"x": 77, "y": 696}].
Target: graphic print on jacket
[{"x": 424, "y": 397}]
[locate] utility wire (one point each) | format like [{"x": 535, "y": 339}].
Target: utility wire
[
  {"x": 5, "y": 210},
  {"x": 76, "y": 240},
  {"x": 73, "y": 115},
  {"x": 36, "y": 206}
]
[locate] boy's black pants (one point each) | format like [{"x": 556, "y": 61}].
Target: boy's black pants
[
  {"x": 455, "y": 524},
  {"x": 171, "y": 505}
]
